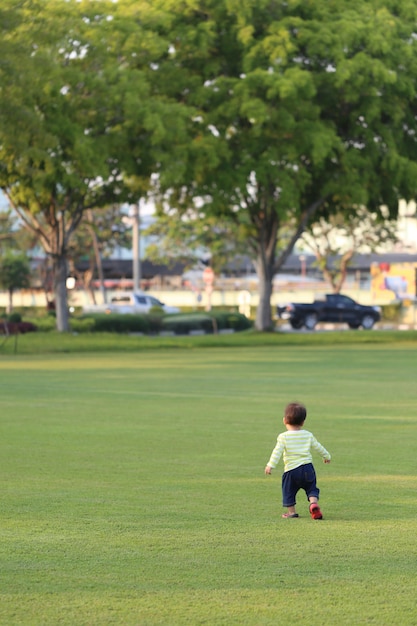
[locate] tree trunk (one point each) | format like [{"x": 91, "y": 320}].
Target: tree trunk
[
  {"x": 53, "y": 229},
  {"x": 88, "y": 284},
  {"x": 97, "y": 255},
  {"x": 60, "y": 291},
  {"x": 265, "y": 272},
  {"x": 267, "y": 223},
  {"x": 335, "y": 278},
  {"x": 344, "y": 262},
  {"x": 10, "y": 306}
]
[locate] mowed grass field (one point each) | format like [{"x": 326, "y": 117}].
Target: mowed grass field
[{"x": 133, "y": 493}]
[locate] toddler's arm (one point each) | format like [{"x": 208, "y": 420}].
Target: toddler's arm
[{"x": 321, "y": 450}]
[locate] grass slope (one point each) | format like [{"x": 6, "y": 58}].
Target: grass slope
[
  {"x": 55, "y": 343},
  {"x": 133, "y": 490}
]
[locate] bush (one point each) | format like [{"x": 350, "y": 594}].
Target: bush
[
  {"x": 156, "y": 310},
  {"x": 183, "y": 323},
  {"x": 231, "y": 320},
  {"x": 118, "y": 323},
  {"x": 14, "y": 317},
  {"x": 210, "y": 322},
  {"x": 45, "y": 324},
  {"x": 155, "y": 320},
  {"x": 151, "y": 324},
  {"x": 82, "y": 325}
]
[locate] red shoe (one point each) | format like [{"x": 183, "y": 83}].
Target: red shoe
[{"x": 315, "y": 511}]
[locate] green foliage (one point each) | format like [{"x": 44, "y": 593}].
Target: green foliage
[
  {"x": 13, "y": 236},
  {"x": 282, "y": 111},
  {"x": 14, "y": 271},
  {"x": 83, "y": 122},
  {"x": 187, "y": 323},
  {"x": 156, "y": 322},
  {"x": 14, "y": 317},
  {"x": 117, "y": 323},
  {"x": 211, "y": 322},
  {"x": 149, "y": 324},
  {"x": 193, "y": 236},
  {"x": 44, "y": 324},
  {"x": 82, "y": 325},
  {"x": 226, "y": 320},
  {"x": 99, "y": 233},
  {"x": 336, "y": 239},
  {"x": 54, "y": 343},
  {"x": 302, "y": 109},
  {"x": 156, "y": 310},
  {"x": 7, "y": 239},
  {"x": 93, "y": 534}
]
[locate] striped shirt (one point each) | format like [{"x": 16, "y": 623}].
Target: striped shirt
[{"x": 296, "y": 446}]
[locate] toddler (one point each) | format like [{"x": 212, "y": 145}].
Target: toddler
[{"x": 296, "y": 445}]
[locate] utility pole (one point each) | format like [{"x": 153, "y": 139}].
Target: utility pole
[{"x": 136, "y": 248}]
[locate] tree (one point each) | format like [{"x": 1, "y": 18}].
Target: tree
[
  {"x": 335, "y": 241},
  {"x": 100, "y": 232},
  {"x": 302, "y": 110},
  {"x": 81, "y": 125},
  {"x": 14, "y": 274},
  {"x": 195, "y": 238}
]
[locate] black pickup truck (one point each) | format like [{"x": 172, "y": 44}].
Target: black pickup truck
[{"x": 335, "y": 307}]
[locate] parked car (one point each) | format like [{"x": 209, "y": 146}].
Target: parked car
[
  {"x": 130, "y": 302},
  {"x": 334, "y": 307}
]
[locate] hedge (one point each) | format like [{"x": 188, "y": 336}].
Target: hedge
[
  {"x": 152, "y": 323},
  {"x": 210, "y": 322}
]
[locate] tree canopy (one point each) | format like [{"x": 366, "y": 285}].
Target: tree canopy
[
  {"x": 302, "y": 109},
  {"x": 82, "y": 122},
  {"x": 256, "y": 115},
  {"x": 335, "y": 241}
]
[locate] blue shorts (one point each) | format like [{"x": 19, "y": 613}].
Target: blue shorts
[{"x": 302, "y": 477}]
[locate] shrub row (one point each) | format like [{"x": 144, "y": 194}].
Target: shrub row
[
  {"x": 231, "y": 320},
  {"x": 153, "y": 323},
  {"x": 112, "y": 323},
  {"x": 179, "y": 324},
  {"x": 185, "y": 323}
]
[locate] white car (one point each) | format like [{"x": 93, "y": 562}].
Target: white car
[{"x": 130, "y": 302}]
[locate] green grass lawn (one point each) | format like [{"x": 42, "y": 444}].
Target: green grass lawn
[{"x": 133, "y": 492}]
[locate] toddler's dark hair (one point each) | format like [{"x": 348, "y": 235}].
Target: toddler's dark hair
[{"x": 295, "y": 414}]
